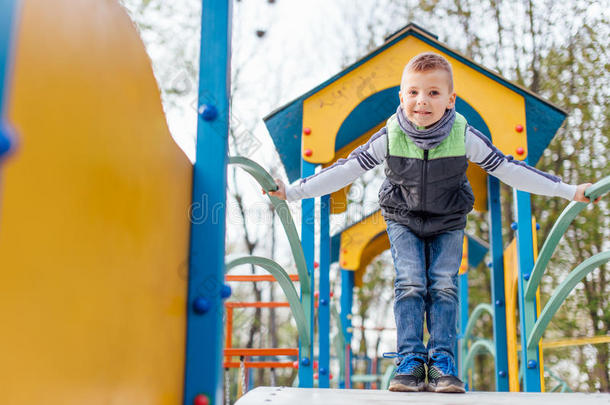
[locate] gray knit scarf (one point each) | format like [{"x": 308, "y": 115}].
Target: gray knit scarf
[{"x": 427, "y": 138}]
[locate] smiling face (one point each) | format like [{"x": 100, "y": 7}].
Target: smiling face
[{"x": 424, "y": 96}]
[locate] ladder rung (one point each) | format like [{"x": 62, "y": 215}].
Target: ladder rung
[
  {"x": 272, "y": 304},
  {"x": 259, "y": 364},
  {"x": 261, "y": 352}
]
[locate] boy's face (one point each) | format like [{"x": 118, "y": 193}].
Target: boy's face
[{"x": 424, "y": 96}]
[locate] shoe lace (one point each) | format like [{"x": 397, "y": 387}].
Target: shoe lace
[
  {"x": 406, "y": 364},
  {"x": 443, "y": 363}
]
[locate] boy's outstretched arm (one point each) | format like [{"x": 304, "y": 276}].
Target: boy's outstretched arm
[
  {"x": 517, "y": 174},
  {"x": 339, "y": 174}
]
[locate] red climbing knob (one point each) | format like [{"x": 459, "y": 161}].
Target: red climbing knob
[
  {"x": 330, "y": 376},
  {"x": 520, "y": 151},
  {"x": 315, "y": 376},
  {"x": 295, "y": 364},
  {"x": 201, "y": 400},
  {"x": 307, "y": 130},
  {"x": 316, "y": 294},
  {"x": 344, "y": 263},
  {"x": 308, "y": 152},
  {"x": 316, "y": 265},
  {"x": 519, "y": 128}
]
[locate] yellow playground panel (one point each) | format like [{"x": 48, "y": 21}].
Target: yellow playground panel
[
  {"x": 95, "y": 226},
  {"x": 365, "y": 240}
]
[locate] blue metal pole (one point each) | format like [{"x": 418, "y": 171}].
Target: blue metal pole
[
  {"x": 308, "y": 242},
  {"x": 530, "y": 359},
  {"x": 497, "y": 283},
  {"x": 324, "y": 304},
  {"x": 8, "y": 17},
  {"x": 463, "y": 318},
  {"x": 203, "y": 365},
  {"x": 347, "y": 299}
]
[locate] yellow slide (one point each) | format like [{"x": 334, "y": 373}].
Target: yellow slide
[{"x": 94, "y": 217}]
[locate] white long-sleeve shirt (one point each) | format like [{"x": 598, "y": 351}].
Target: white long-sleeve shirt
[{"x": 479, "y": 150}]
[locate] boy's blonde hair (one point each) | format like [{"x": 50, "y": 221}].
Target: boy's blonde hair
[{"x": 428, "y": 61}]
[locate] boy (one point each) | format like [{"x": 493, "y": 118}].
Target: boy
[{"x": 424, "y": 199}]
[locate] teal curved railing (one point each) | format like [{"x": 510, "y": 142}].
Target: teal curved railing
[
  {"x": 562, "y": 386},
  {"x": 536, "y": 327},
  {"x": 561, "y": 293},
  {"x": 301, "y": 309},
  {"x": 556, "y": 234},
  {"x": 339, "y": 341},
  {"x": 479, "y": 346},
  {"x": 287, "y": 287},
  {"x": 281, "y": 208},
  {"x": 468, "y": 355},
  {"x": 477, "y": 312}
]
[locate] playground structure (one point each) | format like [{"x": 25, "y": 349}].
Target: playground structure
[{"x": 99, "y": 253}]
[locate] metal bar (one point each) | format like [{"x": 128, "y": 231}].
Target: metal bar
[
  {"x": 235, "y": 351},
  {"x": 562, "y": 292},
  {"x": 324, "y": 297},
  {"x": 229, "y": 331},
  {"x": 298, "y": 311},
  {"x": 530, "y": 361},
  {"x": 594, "y": 340},
  {"x": 339, "y": 344},
  {"x": 257, "y": 277},
  {"x": 8, "y": 22},
  {"x": 559, "y": 228},
  {"x": 347, "y": 297},
  {"x": 477, "y": 312},
  {"x": 476, "y": 348},
  {"x": 204, "y": 329},
  {"x": 467, "y": 332},
  {"x": 308, "y": 245},
  {"x": 8, "y": 18},
  {"x": 463, "y": 318},
  {"x": 260, "y": 364},
  {"x": 273, "y": 304},
  {"x": 281, "y": 208},
  {"x": 498, "y": 299}
]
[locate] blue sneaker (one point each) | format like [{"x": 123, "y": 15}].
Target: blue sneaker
[
  {"x": 410, "y": 376},
  {"x": 441, "y": 375}
]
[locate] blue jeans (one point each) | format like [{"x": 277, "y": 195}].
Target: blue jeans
[{"x": 426, "y": 283}]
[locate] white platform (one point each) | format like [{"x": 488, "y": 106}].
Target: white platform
[{"x": 318, "y": 396}]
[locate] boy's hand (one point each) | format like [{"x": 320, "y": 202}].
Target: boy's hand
[
  {"x": 281, "y": 190},
  {"x": 580, "y": 194}
]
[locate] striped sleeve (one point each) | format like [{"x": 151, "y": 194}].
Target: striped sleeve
[
  {"x": 343, "y": 171},
  {"x": 515, "y": 173}
]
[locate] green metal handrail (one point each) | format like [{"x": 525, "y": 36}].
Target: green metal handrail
[
  {"x": 476, "y": 348},
  {"x": 562, "y": 292},
  {"x": 299, "y": 312},
  {"x": 339, "y": 341},
  {"x": 538, "y": 326},
  {"x": 283, "y": 212},
  {"x": 387, "y": 376},
  {"x": 281, "y": 208},
  {"x": 557, "y": 232},
  {"x": 562, "y": 384},
  {"x": 474, "y": 317}
]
